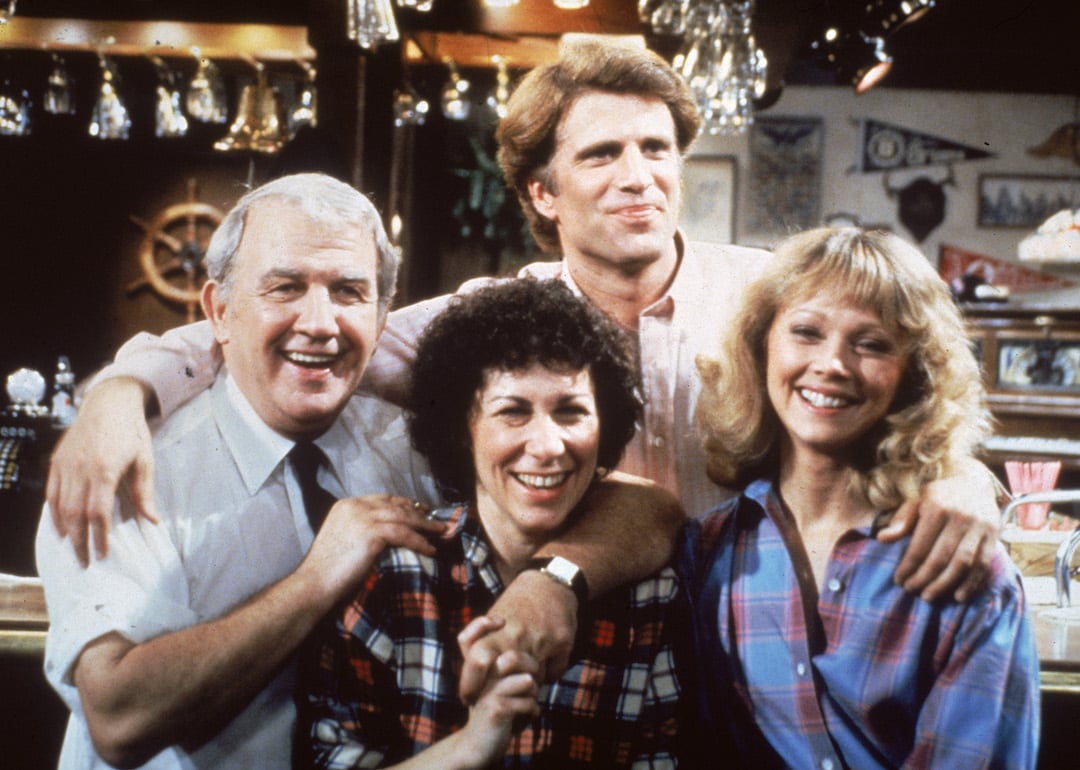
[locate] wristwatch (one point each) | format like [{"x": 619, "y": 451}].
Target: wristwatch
[{"x": 564, "y": 572}]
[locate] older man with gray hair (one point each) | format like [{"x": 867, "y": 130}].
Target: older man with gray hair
[{"x": 176, "y": 650}]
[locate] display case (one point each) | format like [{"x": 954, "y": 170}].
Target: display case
[{"x": 1030, "y": 356}]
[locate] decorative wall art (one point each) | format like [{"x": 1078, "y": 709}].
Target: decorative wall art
[
  {"x": 708, "y": 209},
  {"x": 921, "y": 203},
  {"x": 954, "y": 263},
  {"x": 888, "y": 147},
  {"x": 785, "y": 174},
  {"x": 1018, "y": 200},
  {"x": 1063, "y": 143}
]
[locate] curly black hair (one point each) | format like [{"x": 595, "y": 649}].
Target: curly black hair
[{"x": 508, "y": 326}]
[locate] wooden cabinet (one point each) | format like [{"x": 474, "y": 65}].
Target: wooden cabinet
[{"x": 1031, "y": 363}]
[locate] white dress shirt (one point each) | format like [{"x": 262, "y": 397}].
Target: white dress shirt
[{"x": 232, "y": 523}]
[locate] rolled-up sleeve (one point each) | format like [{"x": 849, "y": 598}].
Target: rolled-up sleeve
[{"x": 137, "y": 591}]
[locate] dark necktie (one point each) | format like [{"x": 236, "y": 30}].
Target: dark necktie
[{"x": 306, "y": 459}]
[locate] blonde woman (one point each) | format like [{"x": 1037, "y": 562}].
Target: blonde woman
[{"x": 857, "y": 387}]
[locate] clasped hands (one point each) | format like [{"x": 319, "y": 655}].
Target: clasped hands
[{"x": 531, "y": 628}]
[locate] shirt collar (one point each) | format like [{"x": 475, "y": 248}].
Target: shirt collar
[
  {"x": 256, "y": 448},
  {"x": 765, "y": 493},
  {"x": 464, "y": 525},
  {"x": 664, "y": 306},
  {"x": 689, "y": 284},
  {"x": 340, "y": 448}
]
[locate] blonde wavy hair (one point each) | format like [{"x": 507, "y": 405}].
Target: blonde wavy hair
[{"x": 939, "y": 415}]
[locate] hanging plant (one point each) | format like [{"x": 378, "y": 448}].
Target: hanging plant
[{"x": 486, "y": 211}]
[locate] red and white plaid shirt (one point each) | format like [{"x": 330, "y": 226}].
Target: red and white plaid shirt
[{"x": 380, "y": 684}]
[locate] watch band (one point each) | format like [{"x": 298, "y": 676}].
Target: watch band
[{"x": 564, "y": 572}]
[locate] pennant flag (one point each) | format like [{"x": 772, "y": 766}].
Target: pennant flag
[
  {"x": 886, "y": 147},
  {"x": 956, "y": 262}
]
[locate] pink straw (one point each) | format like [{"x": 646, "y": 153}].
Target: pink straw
[{"x": 1027, "y": 477}]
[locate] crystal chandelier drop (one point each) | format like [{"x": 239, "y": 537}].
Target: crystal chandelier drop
[
  {"x": 719, "y": 59},
  {"x": 420, "y": 6},
  {"x": 371, "y": 23}
]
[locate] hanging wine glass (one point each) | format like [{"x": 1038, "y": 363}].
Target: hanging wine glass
[
  {"x": 205, "y": 99},
  {"x": 371, "y": 22},
  {"x": 14, "y": 110},
  {"x": 722, "y": 63},
  {"x": 410, "y": 109},
  {"x": 455, "y": 102},
  {"x": 695, "y": 59},
  {"x": 305, "y": 112},
  {"x": 645, "y": 10},
  {"x": 109, "y": 119},
  {"x": 668, "y": 17},
  {"x": 423, "y": 6},
  {"x": 169, "y": 121},
  {"x": 59, "y": 89},
  {"x": 499, "y": 98},
  {"x": 7, "y": 10}
]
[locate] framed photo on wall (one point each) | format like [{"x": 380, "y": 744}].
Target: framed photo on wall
[
  {"x": 708, "y": 209},
  {"x": 1026, "y": 201},
  {"x": 785, "y": 174}
]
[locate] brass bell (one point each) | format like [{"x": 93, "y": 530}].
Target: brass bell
[{"x": 258, "y": 120}]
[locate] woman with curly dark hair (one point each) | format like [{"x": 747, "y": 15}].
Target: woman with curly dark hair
[{"x": 523, "y": 394}]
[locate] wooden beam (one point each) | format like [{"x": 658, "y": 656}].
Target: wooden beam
[
  {"x": 469, "y": 50},
  {"x": 543, "y": 17},
  {"x": 263, "y": 42},
  {"x": 479, "y": 50}
]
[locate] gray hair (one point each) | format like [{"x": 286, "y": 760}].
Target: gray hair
[{"x": 325, "y": 200}]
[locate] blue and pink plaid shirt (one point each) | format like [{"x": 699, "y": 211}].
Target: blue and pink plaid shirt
[
  {"x": 381, "y": 684},
  {"x": 859, "y": 674}
]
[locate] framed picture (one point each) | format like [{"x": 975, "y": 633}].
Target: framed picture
[
  {"x": 708, "y": 210},
  {"x": 1018, "y": 200},
  {"x": 785, "y": 174}
]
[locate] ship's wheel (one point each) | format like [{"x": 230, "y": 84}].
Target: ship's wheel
[{"x": 172, "y": 250}]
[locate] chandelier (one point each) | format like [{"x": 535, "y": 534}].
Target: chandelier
[{"x": 719, "y": 57}]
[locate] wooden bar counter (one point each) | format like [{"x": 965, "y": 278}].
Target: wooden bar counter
[
  {"x": 23, "y": 621},
  {"x": 23, "y": 624}
]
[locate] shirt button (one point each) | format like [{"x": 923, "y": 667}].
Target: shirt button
[
  {"x": 658, "y": 442},
  {"x": 800, "y": 669},
  {"x": 827, "y": 764},
  {"x": 835, "y": 584}
]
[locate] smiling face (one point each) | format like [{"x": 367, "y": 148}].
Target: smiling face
[
  {"x": 299, "y": 321},
  {"x": 832, "y": 373},
  {"x": 535, "y": 435},
  {"x": 612, "y": 186}
]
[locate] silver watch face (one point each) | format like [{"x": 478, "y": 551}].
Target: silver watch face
[{"x": 563, "y": 569}]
